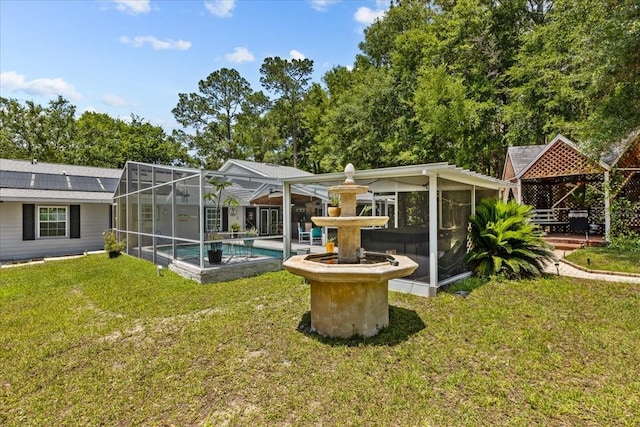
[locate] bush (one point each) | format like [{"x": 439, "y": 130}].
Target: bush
[
  {"x": 111, "y": 243},
  {"x": 506, "y": 242},
  {"x": 623, "y": 238}
]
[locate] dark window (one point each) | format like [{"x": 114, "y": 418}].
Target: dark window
[
  {"x": 74, "y": 221},
  {"x": 28, "y": 222}
]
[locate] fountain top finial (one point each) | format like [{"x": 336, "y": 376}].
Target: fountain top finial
[{"x": 349, "y": 171}]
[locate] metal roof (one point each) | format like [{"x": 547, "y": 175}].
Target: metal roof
[{"x": 441, "y": 170}]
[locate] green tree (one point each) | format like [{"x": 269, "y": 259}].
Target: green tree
[
  {"x": 319, "y": 154},
  {"x": 107, "y": 142},
  {"x": 609, "y": 45},
  {"x": 147, "y": 143},
  {"x": 577, "y": 73},
  {"x": 255, "y": 131},
  {"x": 359, "y": 124},
  {"x": 212, "y": 113},
  {"x": 31, "y": 131},
  {"x": 506, "y": 242},
  {"x": 445, "y": 115},
  {"x": 548, "y": 92},
  {"x": 98, "y": 140},
  {"x": 288, "y": 79}
]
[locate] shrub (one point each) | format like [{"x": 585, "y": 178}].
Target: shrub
[
  {"x": 111, "y": 243},
  {"x": 506, "y": 242},
  {"x": 622, "y": 236}
]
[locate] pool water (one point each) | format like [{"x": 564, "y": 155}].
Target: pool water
[{"x": 193, "y": 251}]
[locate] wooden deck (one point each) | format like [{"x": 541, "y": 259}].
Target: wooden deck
[{"x": 566, "y": 241}]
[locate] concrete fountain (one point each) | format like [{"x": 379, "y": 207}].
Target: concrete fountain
[{"x": 349, "y": 290}]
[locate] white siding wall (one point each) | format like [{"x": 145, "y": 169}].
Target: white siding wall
[{"x": 94, "y": 219}]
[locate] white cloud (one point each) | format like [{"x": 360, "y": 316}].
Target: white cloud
[
  {"x": 156, "y": 43},
  {"x": 294, "y": 54},
  {"x": 240, "y": 55},
  {"x": 133, "y": 7},
  {"x": 322, "y": 5},
  {"x": 367, "y": 16},
  {"x": 221, "y": 8},
  {"x": 14, "y": 82},
  {"x": 113, "y": 100}
]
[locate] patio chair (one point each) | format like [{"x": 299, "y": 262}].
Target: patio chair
[
  {"x": 316, "y": 235},
  {"x": 303, "y": 236}
]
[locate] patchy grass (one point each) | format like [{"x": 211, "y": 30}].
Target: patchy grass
[
  {"x": 606, "y": 259},
  {"x": 94, "y": 341}
]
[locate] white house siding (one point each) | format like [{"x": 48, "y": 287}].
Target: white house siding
[{"x": 94, "y": 219}]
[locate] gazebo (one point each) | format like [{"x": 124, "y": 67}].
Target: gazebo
[{"x": 569, "y": 191}]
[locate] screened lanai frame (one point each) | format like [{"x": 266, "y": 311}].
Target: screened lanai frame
[
  {"x": 158, "y": 206},
  {"x": 434, "y": 180}
]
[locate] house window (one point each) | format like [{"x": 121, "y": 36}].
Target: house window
[
  {"x": 213, "y": 219},
  {"x": 52, "y": 221}
]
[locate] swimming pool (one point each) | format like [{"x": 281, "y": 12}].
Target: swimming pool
[{"x": 192, "y": 250}]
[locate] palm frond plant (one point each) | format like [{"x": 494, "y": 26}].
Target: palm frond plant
[{"x": 505, "y": 241}]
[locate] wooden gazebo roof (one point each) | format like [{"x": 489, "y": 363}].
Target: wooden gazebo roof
[
  {"x": 630, "y": 157},
  {"x": 559, "y": 158}
]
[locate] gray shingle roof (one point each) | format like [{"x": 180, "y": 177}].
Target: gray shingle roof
[
  {"x": 60, "y": 196},
  {"x": 522, "y": 156},
  {"x": 270, "y": 170}
]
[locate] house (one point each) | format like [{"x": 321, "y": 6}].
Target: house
[
  {"x": 261, "y": 207},
  {"x": 51, "y": 209}
]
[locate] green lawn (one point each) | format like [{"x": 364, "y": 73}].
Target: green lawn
[
  {"x": 94, "y": 341},
  {"x": 606, "y": 259}
]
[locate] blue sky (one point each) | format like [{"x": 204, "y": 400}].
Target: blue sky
[{"x": 134, "y": 56}]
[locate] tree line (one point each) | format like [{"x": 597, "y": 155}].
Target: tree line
[
  {"x": 435, "y": 80},
  {"x": 53, "y": 134}
]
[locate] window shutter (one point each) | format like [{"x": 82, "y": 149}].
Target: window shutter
[
  {"x": 28, "y": 222},
  {"x": 74, "y": 221},
  {"x": 225, "y": 218}
]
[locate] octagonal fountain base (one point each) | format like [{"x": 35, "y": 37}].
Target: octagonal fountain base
[{"x": 349, "y": 299}]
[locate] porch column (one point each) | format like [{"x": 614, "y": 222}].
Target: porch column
[
  {"x": 286, "y": 219},
  {"x": 433, "y": 234},
  {"x": 607, "y": 208},
  {"x": 174, "y": 211},
  {"x": 201, "y": 215},
  {"x": 154, "y": 216},
  {"x": 473, "y": 200},
  {"x": 395, "y": 211}
]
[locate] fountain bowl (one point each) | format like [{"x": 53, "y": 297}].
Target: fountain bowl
[
  {"x": 349, "y": 299},
  {"x": 331, "y": 270}
]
